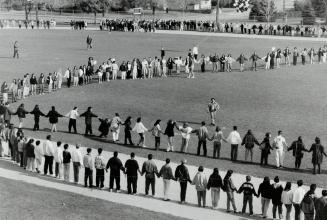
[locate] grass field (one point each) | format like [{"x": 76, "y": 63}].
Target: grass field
[
  {"x": 63, "y": 205},
  {"x": 292, "y": 99}
]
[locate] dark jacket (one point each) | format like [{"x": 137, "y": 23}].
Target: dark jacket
[
  {"x": 214, "y": 181},
  {"x": 298, "y": 148},
  {"x": 276, "y": 192},
  {"x": 53, "y": 116},
  {"x": 307, "y": 204},
  {"x": 265, "y": 190},
  {"x": 104, "y": 126},
  {"x": 37, "y": 113},
  {"x": 249, "y": 140},
  {"x": 182, "y": 174},
  {"x": 248, "y": 189},
  {"x": 318, "y": 153},
  {"x": 267, "y": 146},
  {"x": 88, "y": 117},
  {"x": 21, "y": 112},
  {"x": 115, "y": 166},
  {"x": 30, "y": 150}
]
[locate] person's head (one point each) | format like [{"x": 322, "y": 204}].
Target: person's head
[
  {"x": 138, "y": 120},
  {"x": 53, "y": 108},
  {"x": 313, "y": 188},
  {"x": 75, "y": 108},
  {"x": 266, "y": 180},
  {"x": 58, "y": 143},
  {"x": 116, "y": 114},
  {"x": 49, "y": 137},
  {"x": 200, "y": 169},
  {"x": 235, "y": 128},
  {"x": 99, "y": 150},
  {"x": 299, "y": 183},
  {"x": 276, "y": 179},
  {"x": 150, "y": 156},
  {"x": 167, "y": 161},
  {"x": 218, "y": 129},
  {"x": 31, "y": 141},
  {"x": 248, "y": 178},
  {"x": 317, "y": 140},
  {"x": 288, "y": 186},
  {"x": 66, "y": 146},
  {"x": 185, "y": 125},
  {"x": 299, "y": 139},
  {"x": 89, "y": 108},
  {"x": 88, "y": 150},
  {"x": 249, "y": 132},
  {"x": 268, "y": 135},
  {"x": 37, "y": 143},
  {"x": 116, "y": 154},
  {"x": 213, "y": 100},
  {"x": 132, "y": 155},
  {"x": 215, "y": 171},
  {"x": 157, "y": 122},
  {"x": 183, "y": 161},
  {"x": 203, "y": 123},
  {"x": 324, "y": 193},
  {"x": 280, "y": 132},
  {"x": 77, "y": 146}
]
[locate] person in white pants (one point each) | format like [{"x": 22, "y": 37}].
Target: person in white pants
[
  {"x": 115, "y": 127},
  {"x": 279, "y": 144},
  {"x": 167, "y": 174}
]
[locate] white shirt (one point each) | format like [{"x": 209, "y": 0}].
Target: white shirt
[
  {"x": 280, "y": 142},
  {"x": 298, "y": 195},
  {"x": 73, "y": 114},
  {"x": 234, "y": 138},
  {"x": 48, "y": 148},
  {"x": 185, "y": 132},
  {"x": 58, "y": 156},
  {"x": 139, "y": 128},
  {"x": 38, "y": 151},
  {"x": 115, "y": 67},
  {"x": 77, "y": 156},
  {"x": 287, "y": 197},
  {"x": 195, "y": 50}
]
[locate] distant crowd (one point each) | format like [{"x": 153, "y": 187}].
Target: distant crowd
[{"x": 45, "y": 24}]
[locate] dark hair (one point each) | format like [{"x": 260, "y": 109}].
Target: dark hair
[
  {"x": 324, "y": 192},
  {"x": 167, "y": 160},
  {"x": 288, "y": 186},
  {"x": 132, "y": 155},
  {"x": 150, "y": 156},
  {"x": 276, "y": 179},
  {"x": 88, "y": 150},
  {"x": 203, "y": 123},
  {"x": 100, "y": 150},
  {"x": 157, "y": 122},
  {"x": 200, "y": 169},
  {"x": 66, "y": 146},
  {"x": 228, "y": 174},
  {"x": 138, "y": 119},
  {"x": 313, "y": 187},
  {"x": 248, "y": 178},
  {"x": 234, "y": 128},
  {"x": 279, "y": 132},
  {"x": 58, "y": 143},
  {"x": 115, "y": 154},
  {"x": 37, "y": 142},
  {"x": 300, "y": 182},
  {"x": 48, "y": 137}
]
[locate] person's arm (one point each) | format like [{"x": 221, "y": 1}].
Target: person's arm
[
  {"x": 83, "y": 114},
  {"x": 108, "y": 165}
]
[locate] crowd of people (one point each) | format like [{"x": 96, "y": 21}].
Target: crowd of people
[
  {"x": 30, "y": 154},
  {"x": 37, "y": 24}
]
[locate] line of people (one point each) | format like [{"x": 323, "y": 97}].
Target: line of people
[{"x": 30, "y": 153}]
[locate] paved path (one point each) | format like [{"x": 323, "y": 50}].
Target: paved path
[{"x": 155, "y": 204}]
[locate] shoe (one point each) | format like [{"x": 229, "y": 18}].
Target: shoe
[{"x": 118, "y": 191}]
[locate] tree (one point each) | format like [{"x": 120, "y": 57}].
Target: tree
[
  {"x": 263, "y": 11},
  {"x": 94, "y": 6},
  {"x": 320, "y": 7},
  {"x": 308, "y": 14},
  {"x": 28, "y": 5}
]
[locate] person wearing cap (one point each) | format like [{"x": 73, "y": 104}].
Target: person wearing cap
[
  {"x": 167, "y": 174},
  {"x": 200, "y": 181},
  {"x": 182, "y": 176},
  {"x": 149, "y": 168},
  {"x": 72, "y": 115},
  {"x": 213, "y": 108},
  {"x": 321, "y": 206},
  {"x": 318, "y": 153},
  {"x": 114, "y": 68},
  {"x": 277, "y": 190},
  {"x": 88, "y": 120},
  {"x": 77, "y": 160},
  {"x": 298, "y": 196},
  {"x": 186, "y": 131},
  {"x": 214, "y": 183},
  {"x": 248, "y": 191},
  {"x": 279, "y": 144}
]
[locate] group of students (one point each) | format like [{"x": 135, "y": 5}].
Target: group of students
[{"x": 30, "y": 154}]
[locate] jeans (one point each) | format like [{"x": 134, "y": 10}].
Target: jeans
[
  {"x": 233, "y": 153},
  {"x": 216, "y": 149},
  {"x": 157, "y": 143},
  {"x": 115, "y": 178},
  {"x": 148, "y": 182},
  {"x": 131, "y": 184},
  {"x": 76, "y": 167},
  {"x": 36, "y": 124},
  {"x": 48, "y": 163},
  {"x": 184, "y": 145},
  {"x": 308, "y": 216},
  {"x": 264, "y": 157},
  {"x": 247, "y": 152},
  {"x": 204, "y": 144},
  {"x": 280, "y": 210},
  {"x": 128, "y": 137},
  {"x": 230, "y": 199},
  {"x": 66, "y": 171},
  {"x": 183, "y": 191},
  {"x": 202, "y": 197},
  {"x": 58, "y": 170},
  {"x": 264, "y": 206},
  {"x": 30, "y": 164},
  {"x": 88, "y": 129},
  {"x": 215, "y": 196},
  {"x": 72, "y": 124},
  {"x": 99, "y": 178},
  {"x": 297, "y": 208},
  {"x": 288, "y": 211},
  {"x": 88, "y": 176},
  {"x": 247, "y": 199}
]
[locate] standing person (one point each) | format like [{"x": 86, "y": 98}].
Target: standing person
[
  {"x": 88, "y": 42},
  {"x": 149, "y": 168},
  {"x": 48, "y": 150},
  {"x": 72, "y": 115},
  {"x": 4, "y": 91},
  {"x": 248, "y": 141},
  {"x": 195, "y": 52},
  {"x": 277, "y": 190},
  {"x": 140, "y": 129},
  {"x": 127, "y": 130},
  {"x": 30, "y": 156},
  {"x": 169, "y": 131},
  {"x": 131, "y": 169},
  {"x": 53, "y": 116},
  {"x": 229, "y": 188},
  {"x": 265, "y": 190},
  {"x": 16, "y": 52},
  {"x": 295, "y": 56},
  {"x": 162, "y": 52},
  {"x": 115, "y": 165},
  {"x": 21, "y": 113},
  {"x": 167, "y": 174},
  {"x": 254, "y": 57},
  {"x": 265, "y": 148},
  {"x": 234, "y": 138},
  {"x": 58, "y": 157},
  {"x": 115, "y": 127},
  {"x": 37, "y": 114},
  {"x": 203, "y": 135},
  {"x": 182, "y": 176},
  {"x": 200, "y": 181},
  {"x": 77, "y": 160},
  {"x": 297, "y": 198},
  {"x": 104, "y": 127},
  {"x": 320, "y": 205},
  {"x": 190, "y": 67},
  {"x": 68, "y": 76},
  {"x": 298, "y": 148},
  {"x": 88, "y": 120},
  {"x": 41, "y": 83},
  {"x": 248, "y": 191},
  {"x": 115, "y": 69},
  {"x": 89, "y": 165},
  {"x": 186, "y": 135},
  {"x": 215, "y": 183},
  {"x": 66, "y": 158},
  {"x": 307, "y": 204},
  {"x": 123, "y": 70},
  {"x": 213, "y": 108},
  {"x": 156, "y": 132},
  {"x": 100, "y": 167},
  {"x": 317, "y": 154},
  {"x": 217, "y": 139},
  {"x": 38, "y": 151},
  {"x": 287, "y": 54},
  {"x": 287, "y": 196},
  {"x": 241, "y": 59},
  {"x": 279, "y": 144}
]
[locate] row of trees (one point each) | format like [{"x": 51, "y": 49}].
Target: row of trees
[{"x": 313, "y": 9}]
